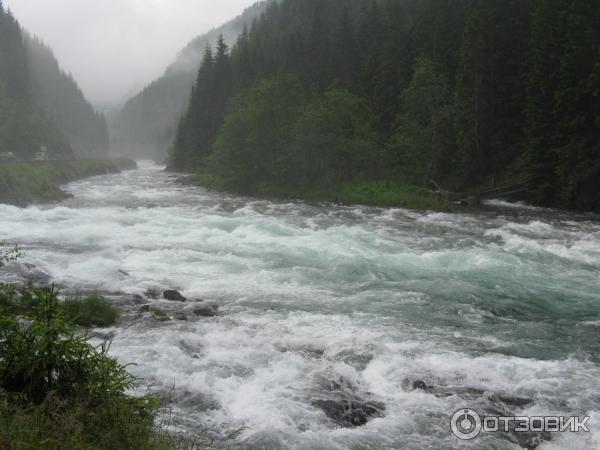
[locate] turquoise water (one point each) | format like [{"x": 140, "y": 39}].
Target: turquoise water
[{"x": 497, "y": 310}]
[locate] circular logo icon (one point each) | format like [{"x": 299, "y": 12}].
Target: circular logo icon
[{"x": 465, "y": 424}]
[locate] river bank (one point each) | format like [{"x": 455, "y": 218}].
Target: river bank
[
  {"x": 25, "y": 182},
  {"x": 411, "y": 315},
  {"x": 371, "y": 193}
]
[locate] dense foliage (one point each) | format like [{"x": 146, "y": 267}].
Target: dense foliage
[
  {"x": 146, "y": 124},
  {"x": 57, "y": 390},
  {"x": 40, "y": 106},
  {"x": 465, "y": 93}
]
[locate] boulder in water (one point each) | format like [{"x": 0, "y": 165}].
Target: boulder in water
[
  {"x": 152, "y": 293},
  {"x": 174, "y": 296},
  {"x": 350, "y": 412},
  {"x": 205, "y": 310},
  {"x": 344, "y": 406},
  {"x": 180, "y": 315}
]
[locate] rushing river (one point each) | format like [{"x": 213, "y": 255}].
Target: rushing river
[{"x": 413, "y": 314}]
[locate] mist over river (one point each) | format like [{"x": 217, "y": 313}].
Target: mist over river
[{"x": 410, "y": 315}]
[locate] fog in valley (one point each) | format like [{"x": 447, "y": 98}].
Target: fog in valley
[
  {"x": 114, "y": 48},
  {"x": 299, "y": 224}
]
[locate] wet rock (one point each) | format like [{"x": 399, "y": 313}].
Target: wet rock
[
  {"x": 316, "y": 353},
  {"x": 179, "y": 315},
  {"x": 30, "y": 266},
  {"x": 199, "y": 402},
  {"x": 152, "y": 293},
  {"x": 138, "y": 299},
  {"x": 359, "y": 361},
  {"x": 303, "y": 427},
  {"x": 510, "y": 400},
  {"x": 530, "y": 440},
  {"x": 205, "y": 310},
  {"x": 189, "y": 349},
  {"x": 345, "y": 406},
  {"x": 350, "y": 412},
  {"x": 420, "y": 385},
  {"x": 159, "y": 314},
  {"x": 174, "y": 296}
]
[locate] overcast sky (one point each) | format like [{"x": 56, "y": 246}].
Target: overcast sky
[{"x": 115, "y": 47}]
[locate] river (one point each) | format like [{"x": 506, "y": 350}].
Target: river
[{"x": 408, "y": 315}]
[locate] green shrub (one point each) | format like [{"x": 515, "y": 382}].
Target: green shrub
[
  {"x": 57, "y": 390},
  {"x": 91, "y": 311}
]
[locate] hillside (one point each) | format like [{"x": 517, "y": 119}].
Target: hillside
[
  {"x": 146, "y": 124},
  {"x": 62, "y": 101},
  {"x": 40, "y": 105},
  {"x": 24, "y": 128},
  {"x": 470, "y": 96}
]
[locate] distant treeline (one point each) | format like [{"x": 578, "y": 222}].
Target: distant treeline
[
  {"x": 467, "y": 93},
  {"x": 40, "y": 105},
  {"x": 146, "y": 124}
]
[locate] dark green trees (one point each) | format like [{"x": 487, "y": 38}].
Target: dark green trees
[
  {"x": 63, "y": 103},
  {"x": 23, "y": 128},
  {"x": 146, "y": 125},
  {"x": 465, "y": 93},
  {"x": 40, "y": 106},
  {"x": 421, "y": 148},
  {"x": 564, "y": 104},
  {"x": 252, "y": 146},
  {"x": 198, "y": 130}
]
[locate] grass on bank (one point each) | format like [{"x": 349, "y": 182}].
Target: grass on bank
[
  {"x": 91, "y": 311},
  {"x": 372, "y": 193},
  {"x": 26, "y": 182},
  {"x": 57, "y": 390}
]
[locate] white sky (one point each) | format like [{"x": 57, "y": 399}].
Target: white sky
[{"x": 115, "y": 47}]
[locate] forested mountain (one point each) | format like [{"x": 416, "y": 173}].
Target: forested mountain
[
  {"x": 64, "y": 104},
  {"x": 24, "y": 129},
  {"x": 40, "y": 105},
  {"x": 146, "y": 124},
  {"x": 465, "y": 93}
]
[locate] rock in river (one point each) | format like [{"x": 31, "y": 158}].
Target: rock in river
[
  {"x": 174, "y": 296},
  {"x": 205, "y": 310}
]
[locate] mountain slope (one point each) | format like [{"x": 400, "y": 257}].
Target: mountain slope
[
  {"x": 24, "y": 128},
  {"x": 146, "y": 124},
  {"x": 484, "y": 97},
  {"x": 64, "y": 104},
  {"x": 40, "y": 105}
]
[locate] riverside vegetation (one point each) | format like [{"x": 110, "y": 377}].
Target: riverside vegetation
[
  {"x": 41, "y": 105},
  {"x": 57, "y": 389},
  {"x": 326, "y": 97},
  {"x": 23, "y": 183}
]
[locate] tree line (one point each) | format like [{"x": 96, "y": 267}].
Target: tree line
[
  {"x": 463, "y": 93},
  {"x": 145, "y": 126},
  {"x": 40, "y": 105}
]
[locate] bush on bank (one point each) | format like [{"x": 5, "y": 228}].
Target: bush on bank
[
  {"x": 58, "y": 391},
  {"x": 91, "y": 311}
]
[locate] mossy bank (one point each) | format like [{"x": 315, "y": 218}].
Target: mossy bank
[
  {"x": 26, "y": 182},
  {"x": 371, "y": 192}
]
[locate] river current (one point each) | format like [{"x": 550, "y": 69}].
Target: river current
[{"x": 408, "y": 315}]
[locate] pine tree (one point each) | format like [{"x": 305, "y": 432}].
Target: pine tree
[{"x": 344, "y": 52}]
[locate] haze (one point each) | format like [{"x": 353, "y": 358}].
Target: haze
[{"x": 115, "y": 47}]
